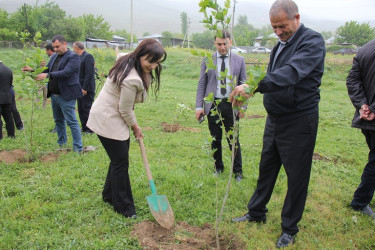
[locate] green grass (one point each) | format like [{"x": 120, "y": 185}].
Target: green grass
[{"x": 58, "y": 204}]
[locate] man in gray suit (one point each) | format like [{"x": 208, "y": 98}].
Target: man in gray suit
[{"x": 209, "y": 82}]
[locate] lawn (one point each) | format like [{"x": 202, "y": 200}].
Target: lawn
[{"x": 56, "y": 203}]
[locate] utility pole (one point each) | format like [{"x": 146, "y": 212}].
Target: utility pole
[
  {"x": 131, "y": 24},
  {"x": 188, "y": 28},
  {"x": 24, "y": 6},
  {"x": 234, "y": 9}
]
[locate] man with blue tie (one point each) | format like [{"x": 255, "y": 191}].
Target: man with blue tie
[{"x": 210, "y": 82}]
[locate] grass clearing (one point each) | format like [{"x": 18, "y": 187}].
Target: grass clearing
[{"x": 58, "y": 204}]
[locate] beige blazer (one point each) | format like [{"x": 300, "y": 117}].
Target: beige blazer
[{"x": 112, "y": 113}]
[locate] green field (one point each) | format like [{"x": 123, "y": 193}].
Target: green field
[{"x": 57, "y": 204}]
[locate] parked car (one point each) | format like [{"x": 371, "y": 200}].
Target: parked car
[
  {"x": 238, "y": 50},
  {"x": 345, "y": 51},
  {"x": 261, "y": 50}
]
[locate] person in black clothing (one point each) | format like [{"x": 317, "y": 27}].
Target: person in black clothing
[
  {"x": 291, "y": 98},
  {"x": 87, "y": 81},
  {"x": 16, "y": 115},
  {"x": 361, "y": 88},
  {"x": 6, "y": 80}
]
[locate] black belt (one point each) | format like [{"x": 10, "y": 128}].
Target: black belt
[{"x": 223, "y": 100}]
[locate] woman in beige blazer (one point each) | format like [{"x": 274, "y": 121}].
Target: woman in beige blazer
[{"x": 112, "y": 116}]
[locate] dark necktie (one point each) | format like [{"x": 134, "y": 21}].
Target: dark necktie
[{"x": 224, "y": 81}]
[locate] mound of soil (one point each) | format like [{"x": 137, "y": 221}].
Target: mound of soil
[
  {"x": 181, "y": 237},
  {"x": 172, "y": 128}
]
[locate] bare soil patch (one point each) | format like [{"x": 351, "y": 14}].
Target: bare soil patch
[
  {"x": 175, "y": 127},
  {"x": 254, "y": 116},
  {"x": 181, "y": 237},
  {"x": 11, "y": 157},
  {"x": 319, "y": 157}
]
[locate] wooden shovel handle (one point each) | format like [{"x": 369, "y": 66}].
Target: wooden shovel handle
[{"x": 144, "y": 157}]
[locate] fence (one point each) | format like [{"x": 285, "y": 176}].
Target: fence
[{"x": 11, "y": 44}]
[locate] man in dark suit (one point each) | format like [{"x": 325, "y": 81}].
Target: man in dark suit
[
  {"x": 361, "y": 88},
  {"x": 6, "y": 80},
  {"x": 291, "y": 98},
  {"x": 64, "y": 90},
  {"x": 87, "y": 81},
  {"x": 209, "y": 82}
]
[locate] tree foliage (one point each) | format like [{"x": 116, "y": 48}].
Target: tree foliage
[
  {"x": 166, "y": 38},
  {"x": 184, "y": 23},
  {"x": 49, "y": 19},
  {"x": 355, "y": 33},
  {"x": 95, "y": 27},
  {"x": 244, "y": 33},
  {"x": 204, "y": 40}
]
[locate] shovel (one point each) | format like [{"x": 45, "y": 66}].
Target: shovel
[{"x": 159, "y": 205}]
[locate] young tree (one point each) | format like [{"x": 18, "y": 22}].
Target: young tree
[{"x": 355, "y": 33}]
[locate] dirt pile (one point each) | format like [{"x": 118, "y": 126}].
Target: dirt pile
[{"x": 181, "y": 237}]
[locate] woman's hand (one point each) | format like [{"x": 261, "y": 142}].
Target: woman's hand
[{"x": 137, "y": 131}]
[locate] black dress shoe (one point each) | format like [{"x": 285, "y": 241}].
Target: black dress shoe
[
  {"x": 368, "y": 211},
  {"x": 238, "y": 177},
  {"x": 248, "y": 217},
  {"x": 285, "y": 240}
]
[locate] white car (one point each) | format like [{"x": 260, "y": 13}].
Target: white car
[
  {"x": 238, "y": 50},
  {"x": 261, "y": 50}
]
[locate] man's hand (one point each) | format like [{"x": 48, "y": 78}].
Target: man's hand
[
  {"x": 41, "y": 76},
  {"x": 84, "y": 92},
  {"x": 241, "y": 114},
  {"x": 27, "y": 68},
  {"x": 237, "y": 92},
  {"x": 366, "y": 113},
  {"x": 198, "y": 114}
]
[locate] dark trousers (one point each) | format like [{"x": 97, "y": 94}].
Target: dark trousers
[
  {"x": 117, "y": 190},
  {"x": 6, "y": 113},
  {"x": 84, "y": 106},
  {"x": 225, "y": 109},
  {"x": 365, "y": 191},
  {"x": 15, "y": 113},
  {"x": 287, "y": 142}
]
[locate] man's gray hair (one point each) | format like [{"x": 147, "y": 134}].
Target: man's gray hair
[
  {"x": 79, "y": 45},
  {"x": 288, "y": 6}
]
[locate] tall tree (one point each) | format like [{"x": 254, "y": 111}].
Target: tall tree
[
  {"x": 184, "y": 23},
  {"x": 96, "y": 27},
  {"x": 242, "y": 20},
  {"x": 37, "y": 18},
  {"x": 355, "y": 33},
  {"x": 244, "y": 32}
]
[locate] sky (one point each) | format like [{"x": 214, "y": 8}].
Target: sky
[{"x": 164, "y": 15}]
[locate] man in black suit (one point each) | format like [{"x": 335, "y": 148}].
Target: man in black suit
[
  {"x": 361, "y": 89},
  {"x": 87, "y": 81},
  {"x": 291, "y": 97},
  {"x": 6, "y": 80}
]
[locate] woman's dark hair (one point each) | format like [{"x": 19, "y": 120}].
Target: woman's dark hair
[{"x": 154, "y": 52}]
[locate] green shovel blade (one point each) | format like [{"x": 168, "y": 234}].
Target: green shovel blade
[{"x": 158, "y": 203}]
